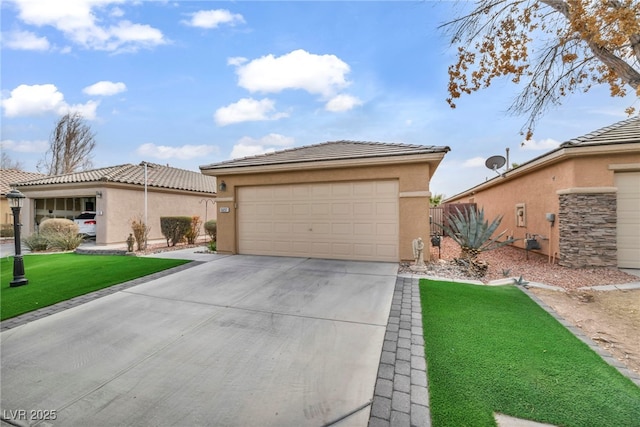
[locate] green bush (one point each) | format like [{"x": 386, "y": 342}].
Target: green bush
[
  {"x": 174, "y": 228},
  {"x": 211, "y": 228},
  {"x": 6, "y": 230},
  {"x": 35, "y": 242},
  {"x": 212, "y": 246}
]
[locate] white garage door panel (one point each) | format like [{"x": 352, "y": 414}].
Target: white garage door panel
[
  {"x": 628, "y": 209},
  {"x": 350, "y": 220}
]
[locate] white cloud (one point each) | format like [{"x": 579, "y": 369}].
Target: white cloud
[
  {"x": 316, "y": 74},
  {"x": 185, "y": 152},
  {"x": 247, "y": 110},
  {"x": 248, "y": 146},
  {"x": 34, "y": 100},
  {"x": 105, "y": 88},
  {"x": 213, "y": 18},
  {"x": 38, "y": 146},
  {"x": 79, "y": 21},
  {"x": 342, "y": 103},
  {"x": 25, "y": 40},
  {"x": 474, "y": 162},
  {"x": 236, "y": 60},
  {"x": 543, "y": 144}
]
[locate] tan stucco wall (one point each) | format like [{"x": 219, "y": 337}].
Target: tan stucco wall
[
  {"x": 6, "y": 216},
  {"x": 537, "y": 190},
  {"x": 413, "y": 204},
  {"x": 118, "y": 205}
]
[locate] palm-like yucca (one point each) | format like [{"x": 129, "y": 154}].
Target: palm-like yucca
[{"x": 473, "y": 233}]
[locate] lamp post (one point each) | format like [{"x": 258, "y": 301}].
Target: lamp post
[{"x": 16, "y": 200}]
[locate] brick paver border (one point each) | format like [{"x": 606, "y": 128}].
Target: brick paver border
[{"x": 401, "y": 395}]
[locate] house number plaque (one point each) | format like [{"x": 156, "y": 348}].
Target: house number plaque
[{"x": 224, "y": 210}]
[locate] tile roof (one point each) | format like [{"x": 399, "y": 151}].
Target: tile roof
[
  {"x": 9, "y": 176},
  {"x": 622, "y": 132},
  {"x": 157, "y": 176},
  {"x": 334, "y": 150}
]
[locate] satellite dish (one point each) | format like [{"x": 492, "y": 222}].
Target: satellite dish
[{"x": 495, "y": 162}]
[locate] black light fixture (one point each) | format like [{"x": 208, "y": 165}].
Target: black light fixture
[
  {"x": 223, "y": 186},
  {"x": 16, "y": 201}
]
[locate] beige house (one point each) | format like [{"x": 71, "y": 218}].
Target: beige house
[
  {"x": 8, "y": 176},
  {"x": 119, "y": 194},
  {"x": 580, "y": 202},
  {"x": 335, "y": 200}
]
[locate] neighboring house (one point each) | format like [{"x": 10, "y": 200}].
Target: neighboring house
[
  {"x": 335, "y": 200},
  {"x": 580, "y": 201},
  {"x": 119, "y": 194},
  {"x": 8, "y": 176}
]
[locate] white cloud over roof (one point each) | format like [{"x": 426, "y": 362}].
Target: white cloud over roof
[
  {"x": 184, "y": 152},
  {"x": 543, "y": 144},
  {"x": 474, "y": 162},
  {"x": 342, "y": 102},
  {"x": 317, "y": 74},
  {"x": 248, "y": 146},
  {"x": 105, "y": 88},
  {"x": 34, "y": 100},
  {"x": 37, "y": 146},
  {"x": 214, "y": 18},
  {"x": 246, "y": 110}
]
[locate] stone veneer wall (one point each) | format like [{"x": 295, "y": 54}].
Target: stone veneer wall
[{"x": 588, "y": 227}]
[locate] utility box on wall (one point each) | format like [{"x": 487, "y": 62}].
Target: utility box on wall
[{"x": 521, "y": 215}]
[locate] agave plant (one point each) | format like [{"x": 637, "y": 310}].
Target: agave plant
[{"x": 473, "y": 233}]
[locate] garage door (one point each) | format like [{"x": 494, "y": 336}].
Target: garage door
[
  {"x": 345, "y": 220},
  {"x": 628, "y": 184}
]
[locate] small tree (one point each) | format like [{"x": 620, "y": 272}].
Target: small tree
[
  {"x": 140, "y": 232},
  {"x": 194, "y": 230},
  {"x": 474, "y": 234}
]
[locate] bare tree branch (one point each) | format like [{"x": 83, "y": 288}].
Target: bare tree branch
[
  {"x": 588, "y": 42},
  {"x": 71, "y": 147}
]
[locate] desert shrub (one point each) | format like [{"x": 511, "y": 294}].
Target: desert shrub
[
  {"x": 64, "y": 240},
  {"x": 6, "y": 230},
  {"x": 193, "y": 232},
  {"x": 140, "y": 232},
  {"x": 58, "y": 225},
  {"x": 213, "y": 246},
  {"x": 35, "y": 242},
  {"x": 174, "y": 228},
  {"x": 211, "y": 228},
  {"x": 60, "y": 233}
]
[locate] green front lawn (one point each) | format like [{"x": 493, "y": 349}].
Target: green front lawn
[
  {"x": 59, "y": 277},
  {"x": 492, "y": 349}
]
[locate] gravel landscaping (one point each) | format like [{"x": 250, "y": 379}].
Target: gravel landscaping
[{"x": 510, "y": 261}]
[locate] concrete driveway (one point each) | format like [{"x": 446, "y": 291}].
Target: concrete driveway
[{"x": 237, "y": 341}]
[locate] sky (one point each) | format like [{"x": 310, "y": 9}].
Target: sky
[{"x": 190, "y": 83}]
